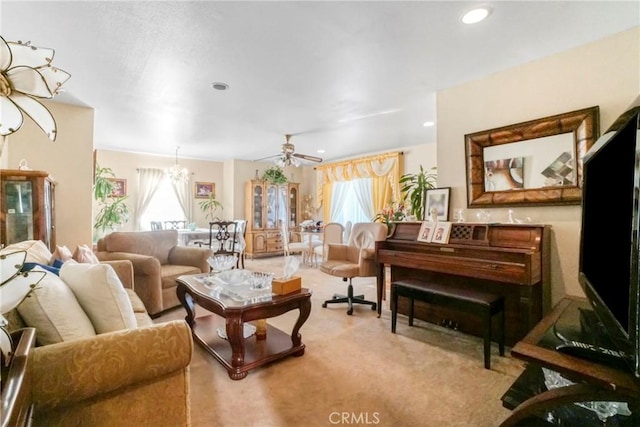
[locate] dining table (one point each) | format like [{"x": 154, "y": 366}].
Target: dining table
[
  {"x": 187, "y": 235},
  {"x": 313, "y": 238}
]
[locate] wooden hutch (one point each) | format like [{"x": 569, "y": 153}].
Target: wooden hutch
[{"x": 266, "y": 207}]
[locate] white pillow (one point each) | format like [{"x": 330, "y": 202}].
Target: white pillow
[
  {"x": 101, "y": 295},
  {"x": 37, "y": 251},
  {"x": 55, "y": 312}
]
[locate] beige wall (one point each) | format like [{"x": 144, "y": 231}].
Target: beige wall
[
  {"x": 604, "y": 73},
  {"x": 124, "y": 165},
  {"x": 68, "y": 160}
]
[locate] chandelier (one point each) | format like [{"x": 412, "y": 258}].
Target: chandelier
[
  {"x": 26, "y": 74},
  {"x": 176, "y": 173}
]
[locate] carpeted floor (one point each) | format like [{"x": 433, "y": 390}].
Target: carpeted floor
[{"x": 355, "y": 371}]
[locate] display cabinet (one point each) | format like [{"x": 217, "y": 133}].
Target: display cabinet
[
  {"x": 267, "y": 206},
  {"x": 27, "y": 207}
]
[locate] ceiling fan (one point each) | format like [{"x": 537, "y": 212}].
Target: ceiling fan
[{"x": 288, "y": 155}]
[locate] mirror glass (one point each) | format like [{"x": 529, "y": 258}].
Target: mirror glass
[{"x": 532, "y": 163}]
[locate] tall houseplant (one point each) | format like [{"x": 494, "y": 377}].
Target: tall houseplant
[
  {"x": 113, "y": 211},
  {"x": 210, "y": 206},
  {"x": 414, "y": 186}
]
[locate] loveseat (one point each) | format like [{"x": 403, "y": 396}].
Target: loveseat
[
  {"x": 157, "y": 262},
  {"x": 82, "y": 376}
]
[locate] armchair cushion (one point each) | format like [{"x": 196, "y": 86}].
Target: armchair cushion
[
  {"x": 101, "y": 296},
  {"x": 157, "y": 244},
  {"x": 55, "y": 312}
]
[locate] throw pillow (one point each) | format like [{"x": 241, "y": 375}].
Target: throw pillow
[
  {"x": 83, "y": 254},
  {"x": 101, "y": 295},
  {"x": 36, "y": 250},
  {"x": 55, "y": 313},
  {"x": 61, "y": 253}
]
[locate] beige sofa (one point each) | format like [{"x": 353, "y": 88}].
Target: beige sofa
[
  {"x": 157, "y": 262},
  {"x": 134, "y": 376}
]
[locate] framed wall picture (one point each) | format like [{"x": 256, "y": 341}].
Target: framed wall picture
[
  {"x": 441, "y": 232},
  {"x": 426, "y": 231},
  {"x": 438, "y": 199},
  {"x": 203, "y": 189},
  {"x": 119, "y": 187}
]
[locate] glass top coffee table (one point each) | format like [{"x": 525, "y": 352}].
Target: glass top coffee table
[{"x": 237, "y": 353}]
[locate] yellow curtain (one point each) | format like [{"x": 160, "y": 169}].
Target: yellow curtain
[{"x": 384, "y": 169}]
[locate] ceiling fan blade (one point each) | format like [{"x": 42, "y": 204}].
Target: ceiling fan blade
[
  {"x": 307, "y": 157},
  {"x": 268, "y": 157}
]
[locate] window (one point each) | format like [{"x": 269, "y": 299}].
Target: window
[
  {"x": 352, "y": 201},
  {"x": 164, "y": 206}
]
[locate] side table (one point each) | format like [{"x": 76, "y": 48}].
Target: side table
[{"x": 593, "y": 381}]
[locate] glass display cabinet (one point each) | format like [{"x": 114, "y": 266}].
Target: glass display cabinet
[
  {"x": 27, "y": 210},
  {"x": 266, "y": 207}
]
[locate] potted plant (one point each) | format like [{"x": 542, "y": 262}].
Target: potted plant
[
  {"x": 395, "y": 212},
  {"x": 210, "y": 206},
  {"x": 414, "y": 187},
  {"x": 274, "y": 175},
  {"x": 113, "y": 211}
]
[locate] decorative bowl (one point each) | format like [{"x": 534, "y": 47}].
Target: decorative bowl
[{"x": 222, "y": 262}]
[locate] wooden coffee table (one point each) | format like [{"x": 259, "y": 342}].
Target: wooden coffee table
[{"x": 238, "y": 354}]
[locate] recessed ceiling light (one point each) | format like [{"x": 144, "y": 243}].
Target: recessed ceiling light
[
  {"x": 219, "y": 86},
  {"x": 428, "y": 124},
  {"x": 476, "y": 15},
  {"x": 320, "y": 151}
]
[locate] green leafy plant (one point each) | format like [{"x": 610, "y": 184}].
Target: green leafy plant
[
  {"x": 414, "y": 186},
  {"x": 210, "y": 206},
  {"x": 274, "y": 175},
  {"x": 113, "y": 211}
]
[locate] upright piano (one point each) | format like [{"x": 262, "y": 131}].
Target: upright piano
[{"x": 511, "y": 260}]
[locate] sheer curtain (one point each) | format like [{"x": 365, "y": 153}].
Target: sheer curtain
[
  {"x": 364, "y": 195},
  {"x": 383, "y": 169},
  {"x": 148, "y": 182},
  {"x": 338, "y": 199},
  {"x": 181, "y": 188}
]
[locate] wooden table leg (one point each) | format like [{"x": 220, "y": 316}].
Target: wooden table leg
[
  {"x": 296, "y": 338},
  {"x": 235, "y": 336}
]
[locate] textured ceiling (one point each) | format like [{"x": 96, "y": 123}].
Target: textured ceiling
[{"x": 347, "y": 77}]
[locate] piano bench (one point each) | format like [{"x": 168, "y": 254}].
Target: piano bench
[{"x": 484, "y": 304}]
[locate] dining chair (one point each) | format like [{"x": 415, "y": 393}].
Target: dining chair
[
  {"x": 175, "y": 224},
  {"x": 290, "y": 247},
  {"x": 241, "y": 244},
  {"x": 156, "y": 225},
  {"x": 223, "y": 239},
  {"x": 333, "y": 232}
]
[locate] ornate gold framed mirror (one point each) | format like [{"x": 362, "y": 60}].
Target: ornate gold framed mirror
[{"x": 532, "y": 163}]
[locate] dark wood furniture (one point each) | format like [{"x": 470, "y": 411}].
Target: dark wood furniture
[
  {"x": 239, "y": 355},
  {"x": 16, "y": 382},
  {"x": 482, "y": 304},
  {"x": 594, "y": 381},
  {"x": 27, "y": 207},
  {"x": 508, "y": 260}
]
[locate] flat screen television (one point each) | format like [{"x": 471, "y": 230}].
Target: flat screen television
[{"x": 609, "y": 242}]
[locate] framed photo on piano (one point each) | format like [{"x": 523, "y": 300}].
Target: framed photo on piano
[
  {"x": 438, "y": 200},
  {"x": 426, "y": 231},
  {"x": 441, "y": 232}
]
